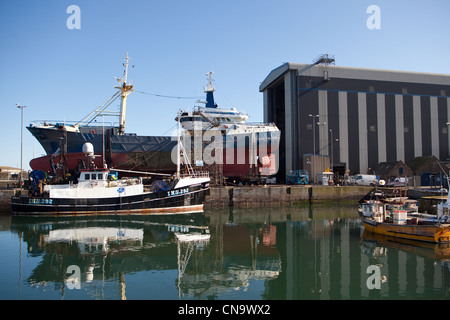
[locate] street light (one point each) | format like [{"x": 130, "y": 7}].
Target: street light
[
  {"x": 314, "y": 144},
  {"x": 321, "y": 124},
  {"x": 21, "y": 143},
  {"x": 332, "y": 149}
]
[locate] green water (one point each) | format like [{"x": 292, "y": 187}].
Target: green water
[{"x": 303, "y": 253}]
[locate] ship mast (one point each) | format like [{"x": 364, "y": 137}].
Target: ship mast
[
  {"x": 209, "y": 90},
  {"x": 125, "y": 88},
  {"x": 178, "y": 146}
]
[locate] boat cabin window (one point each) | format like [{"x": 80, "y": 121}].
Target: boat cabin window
[
  {"x": 93, "y": 176},
  {"x": 187, "y": 119}
]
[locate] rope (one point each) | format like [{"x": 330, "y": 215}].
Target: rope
[{"x": 164, "y": 96}]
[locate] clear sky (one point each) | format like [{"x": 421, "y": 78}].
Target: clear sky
[{"x": 63, "y": 74}]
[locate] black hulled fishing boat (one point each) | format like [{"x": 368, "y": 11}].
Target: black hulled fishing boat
[{"x": 95, "y": 190}]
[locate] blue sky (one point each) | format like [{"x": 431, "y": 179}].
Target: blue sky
[{"x": 63, "y": 74}]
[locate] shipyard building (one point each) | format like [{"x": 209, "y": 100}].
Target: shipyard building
[{"x": 353, "y": 119}]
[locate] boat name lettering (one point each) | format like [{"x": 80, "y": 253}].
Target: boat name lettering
[
  {"x": 177, "y": 192},
  {"x": 178, "y": 229},
  {"x": 40, "y": 201}
]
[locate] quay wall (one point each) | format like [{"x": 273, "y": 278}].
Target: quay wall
[
  {"x": 263, "y": 196},
  {"x": 5, "y": 200},
  {"x": 259, "y": 196}
]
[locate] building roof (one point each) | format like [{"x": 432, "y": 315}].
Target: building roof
[
  {"x": 432, "y": 162},
  {"x": 355, "y": 73},
  {"x": 6, "y": 168},
  {"x": 384, "y": 168}
]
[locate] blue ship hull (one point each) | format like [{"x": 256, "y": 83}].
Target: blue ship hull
[{"x": 134, "y": 152}]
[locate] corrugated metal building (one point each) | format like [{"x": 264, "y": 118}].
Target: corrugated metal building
[{"x": 358, "y": 117}]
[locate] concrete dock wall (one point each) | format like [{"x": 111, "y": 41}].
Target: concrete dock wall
[
  {"x": 263, "y": 196},
  {"x": 259, "y": 196},
  {"x": 5, "y": 200}
]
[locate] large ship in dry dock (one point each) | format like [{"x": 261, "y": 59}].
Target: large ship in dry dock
[
  {"x": 249, "y": 150},
  {"x": 113, "y": 146},
  {"x": 126, "y": 151}
]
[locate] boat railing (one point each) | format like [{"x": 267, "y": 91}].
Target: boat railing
[
  {"x": 63, "y": 123},
  {"x": 262, "y": 124},
  {"x": 196, "y": 174}
]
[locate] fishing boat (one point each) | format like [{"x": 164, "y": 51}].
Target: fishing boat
[
  {"x": 396, "y": 222},
  {"x": 95, "y": 191},
  {"x": 410, "y": 206}
]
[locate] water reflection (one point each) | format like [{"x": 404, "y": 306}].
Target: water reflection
[
  {"x": 108, "y": 247},
  {"x": 410, "y": 269},
  {"x": 277, "y": 253}
]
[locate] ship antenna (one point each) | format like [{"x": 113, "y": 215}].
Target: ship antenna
[
  {"x": 178, "y": 145},
  {"x": 125, "y": 89},
  {"x": 125, "y": 72},
  {"x": 209, "y": 90}
]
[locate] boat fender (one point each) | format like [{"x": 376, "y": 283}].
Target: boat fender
[
  {"x": 442, "y": 236},
  {"x": 93, "y": 131},
  {"x": 443, "y": 219}
]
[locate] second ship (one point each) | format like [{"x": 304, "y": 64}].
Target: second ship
[{"x": 131, "y": 152}]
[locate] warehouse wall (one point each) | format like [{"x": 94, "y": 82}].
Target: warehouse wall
[{"x": 376, "y": 115}]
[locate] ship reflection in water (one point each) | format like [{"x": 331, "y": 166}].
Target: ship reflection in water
[{"x": 278, "y": 253}]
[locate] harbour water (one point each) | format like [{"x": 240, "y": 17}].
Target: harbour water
[{"x": 318, "y": 252}]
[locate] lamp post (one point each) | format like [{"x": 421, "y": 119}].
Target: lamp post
[
  {"x": 448, "y": 135},
  {"x": 21, "y": 144},
  {"x": 314, "y": 144},
  {"x": 321, "y": 146},
  {"x": 332, "y": 149},
  {"x": 332, "y": 160}
]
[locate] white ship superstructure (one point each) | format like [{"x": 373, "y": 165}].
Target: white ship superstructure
[{"x": 230, "y": 121}]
